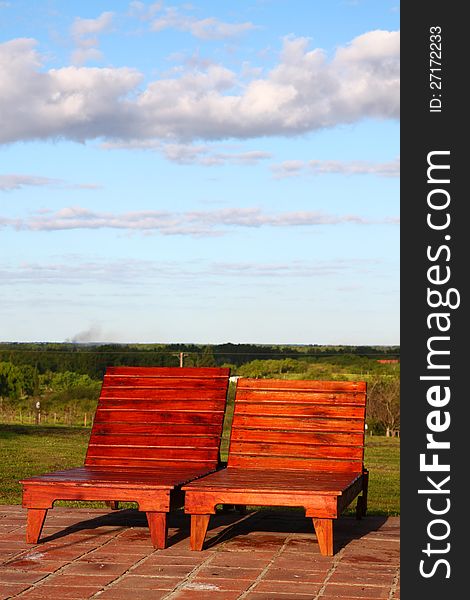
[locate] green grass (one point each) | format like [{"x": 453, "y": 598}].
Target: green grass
[
  {"x": 27, "y": 450},
  {"x": 382, "y": 458}
]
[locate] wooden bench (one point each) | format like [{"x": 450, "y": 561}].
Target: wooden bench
[
  {"x": 293, "y": 443},
  {"x": 154, "y": 430}
]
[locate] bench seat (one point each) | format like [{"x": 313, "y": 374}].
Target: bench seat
[
  {"x": 260, "y": 481},
  {"x": 154, "y": 430},
  {"x": 152, "y": 478},
  {"x": 293, "y": 443}
]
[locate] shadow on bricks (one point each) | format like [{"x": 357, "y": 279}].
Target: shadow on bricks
[
  {"x": 133, "y": 518},
  {"x": 347, "y": 528}
]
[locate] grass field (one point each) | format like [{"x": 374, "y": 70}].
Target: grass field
[{"x": 27, "y": 450}]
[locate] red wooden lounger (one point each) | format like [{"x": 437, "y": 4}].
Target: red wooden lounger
[
  {"x": 293, "y": 443},
  {"x": 154, "y": 430}
]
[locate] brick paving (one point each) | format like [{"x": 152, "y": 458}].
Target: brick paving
[{"x": 267, "y": 555}]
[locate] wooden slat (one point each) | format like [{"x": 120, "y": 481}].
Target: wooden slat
[
  {"x": 158, "y": 404},
  {"x": 169, "y": 441},
  {"x": 304, "y": 464},
  {"x": 296, "y": 384},
  {"x": 131, "y": 462},
  {"x": 171, "y": 383},
  {"x": 148, "y": 476},
  {"x": 148, "y": 416},
  {"x": 208, "y": 372},
  {"x": 146, "y": 393},
  {"x": 296, "y": 437},
  {"x": 294, "y": 424},
  {"x": 300, "y": 410},
  {"x": 275, "y": 479},
  {"x": 183, "y": 429},
  {"x": 300, "y": 395},
  {"x": 150, "y": 453},
  {"x": 295, "y": 450}
]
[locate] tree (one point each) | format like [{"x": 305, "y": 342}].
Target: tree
[
  {"x": 207, "y": 358},
  {"x": 271, "y": 368},
  {"x": 383, "y": 403},
  {"x": 13, "y": 383}
]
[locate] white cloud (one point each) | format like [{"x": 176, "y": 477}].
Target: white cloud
[
  {"x": 83, "y": 27},
  {"x": 192, "y": 154},
  {"x": 292, "y": 269},
  {"x": 87, "y": 47},
  {"x": 6, "y": 222},
  {"x": 207, "y": 156},
  {"x": 288, "y": 168},
  {"x": 80, "y": 56},
  {"x": 203, "y": 29},
  {"x": 303, "y": 93},
  {"x": 74, "y": 270},
  {"x": 15, "y": 181},
  {"x": 357, "y": 167},
  {"x": 294, "y": 168},
  {"x": 84, "y": 186},
  {"x": 71, "y": 102},
  {"x": 193, "y": 223},
  {"x": 144, "y": 11}
]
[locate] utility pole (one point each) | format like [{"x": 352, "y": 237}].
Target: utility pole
[{"x": 181, "y": 356}]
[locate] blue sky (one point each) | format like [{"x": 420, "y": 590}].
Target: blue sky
[{"x": 200, "y": 172}]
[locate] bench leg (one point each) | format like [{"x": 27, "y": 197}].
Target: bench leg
[
  {"x": 361, "y": 507},
  {"x": 113, "y": 504},
  {"x": 158, "y": 528},
  {"x": 199, "y": 525},
  {"x": 324, "y": 531},
  {"x": 34, "y": 522},
  {"x": 365, "y": 488}
]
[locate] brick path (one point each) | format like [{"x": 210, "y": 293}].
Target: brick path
[{"x": 261, "y": 556}]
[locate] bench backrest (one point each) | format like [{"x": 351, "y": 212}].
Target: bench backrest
[
  {"x": 313, "y": 425},
  {"x": 153, "y": 417}
]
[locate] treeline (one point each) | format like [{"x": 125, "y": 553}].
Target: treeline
[
  {"x": 92, "y": 359},
  {"x": 29, "y": 396},
  {"x": 60, "y": 383}
]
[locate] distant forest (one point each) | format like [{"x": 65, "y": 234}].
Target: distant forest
[
  {"x": 60, "y": 382},
  {"x": 92, "y": 359}
]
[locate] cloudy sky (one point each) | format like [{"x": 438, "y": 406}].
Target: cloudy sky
[{"x": 200, "y": 172}]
